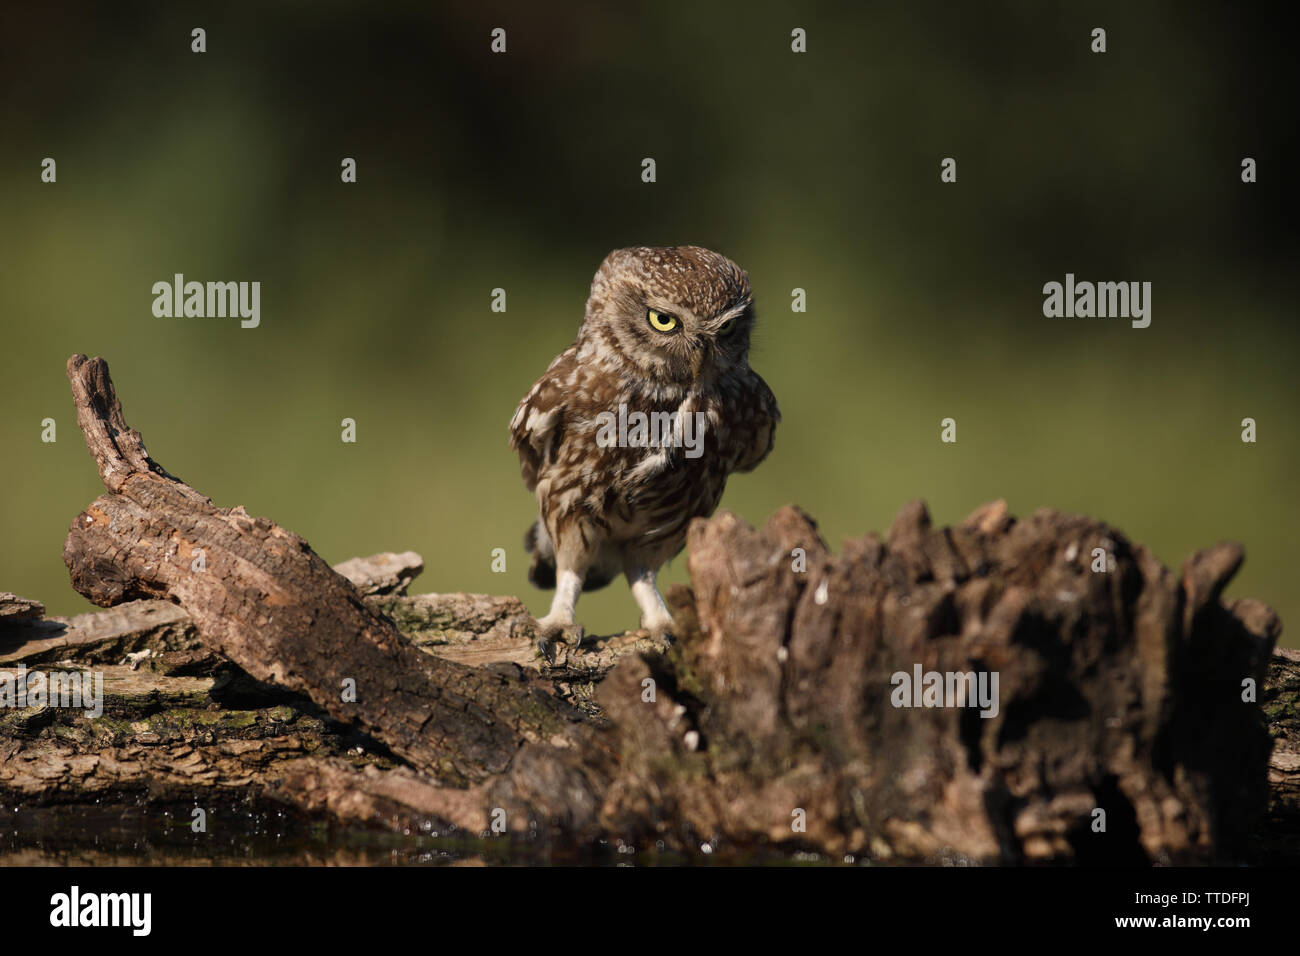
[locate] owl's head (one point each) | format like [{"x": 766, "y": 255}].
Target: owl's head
[{"x": 676, "y": 314}]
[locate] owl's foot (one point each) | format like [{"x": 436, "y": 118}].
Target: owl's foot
[
  {"x": 655, "y": 616},
  {"x": 661, "y": 628},
  {"x": 551, "y": 634}
]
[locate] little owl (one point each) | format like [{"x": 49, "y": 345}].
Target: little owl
[{"x": 635, "y": 427}]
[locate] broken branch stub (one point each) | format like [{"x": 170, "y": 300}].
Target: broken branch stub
[{"x": 259, "y": 595}]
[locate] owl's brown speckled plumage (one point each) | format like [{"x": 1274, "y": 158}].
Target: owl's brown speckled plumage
[{"x": 606, "y": 510}]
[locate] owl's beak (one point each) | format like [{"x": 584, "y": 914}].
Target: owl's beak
[{"x": 698, "y": 357}]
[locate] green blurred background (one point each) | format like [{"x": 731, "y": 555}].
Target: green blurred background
[{"x": 521, "y": 171}]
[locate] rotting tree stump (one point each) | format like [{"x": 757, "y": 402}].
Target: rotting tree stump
[{"x": 773, "y": 720}]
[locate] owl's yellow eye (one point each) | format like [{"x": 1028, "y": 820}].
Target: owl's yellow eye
[
  {"x": 661, "y": 321},
  {"x": 726, "y": 328}
]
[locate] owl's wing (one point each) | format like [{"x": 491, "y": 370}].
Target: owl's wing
[
  {"x": 756, "y": 420},
  {"x": 539, "y": 420}
]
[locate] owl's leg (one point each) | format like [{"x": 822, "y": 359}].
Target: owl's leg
[
  {"x": 560, "y": 624},
  {"x": 655, "y": 616},
  {"x": 568, "y": 588}
]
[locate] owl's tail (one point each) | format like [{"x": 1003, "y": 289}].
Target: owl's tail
[{"x": 541, "y": 571}]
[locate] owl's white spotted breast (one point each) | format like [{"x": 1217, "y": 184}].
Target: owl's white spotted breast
[{"x": 642, "y": 494}]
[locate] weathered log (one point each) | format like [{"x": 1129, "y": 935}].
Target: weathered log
[
  {"x": 174, "y": 745},
  {"x": 774, "y": 718},
  {"x": 15, "y": 608},
  {"x": 166, "y": 741},
  {"x": 380, "y": 574},
  {"x": 156, "y": 630},
  {"x": 1278, "y": 838},
  {"x": 475, "y": 629},
  {"x": 260, "y": 596},
  {"x": 1120, "y": 692},
  {"x": 168, "y": 746}
]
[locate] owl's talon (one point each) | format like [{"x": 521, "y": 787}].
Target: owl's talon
[
  {"x": 547, "y": 649},
  {"x": 551, "y": 634},
  {"x": 661, "y": 632},
  {"x": 661, "y": 642}
]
